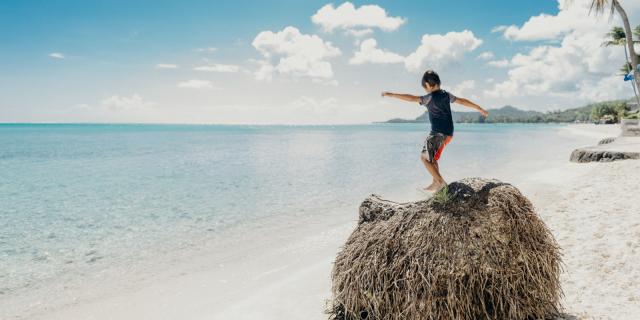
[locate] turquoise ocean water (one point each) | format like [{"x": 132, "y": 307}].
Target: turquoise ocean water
[{"x": 78, "y": 198}]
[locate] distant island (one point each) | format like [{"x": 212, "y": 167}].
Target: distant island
[{"x": 510, "y": 114}]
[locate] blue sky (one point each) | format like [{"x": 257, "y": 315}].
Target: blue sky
[{"x": 293, "y": 61}]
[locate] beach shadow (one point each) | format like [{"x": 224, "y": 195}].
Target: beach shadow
[{"x": 566, "y": 316}]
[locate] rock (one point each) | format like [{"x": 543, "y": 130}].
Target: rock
[
  {"x": 594, "y": 155},
  {"x": 607, "y": 140},
  {"x": 630, "y": 127},
  {"x": 476, "y": 250}
]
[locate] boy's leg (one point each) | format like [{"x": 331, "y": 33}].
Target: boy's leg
[
  {"x": 426, "y": 161},
  {"x": 440, "y": 183},
  {"x": 434, "y": 144},
  {"x": 430, "y": 153},
  {"x": 433, "y": 171}
]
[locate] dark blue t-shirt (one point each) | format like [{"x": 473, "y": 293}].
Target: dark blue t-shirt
[{"x": 438, "y": 104}]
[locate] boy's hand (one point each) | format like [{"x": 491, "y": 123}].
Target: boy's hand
[
  {"x": 401, "y": 96},
  {"x": 484, "y": 113}
]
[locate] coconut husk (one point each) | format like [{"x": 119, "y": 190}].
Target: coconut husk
[{"x": 476, "y": 250}]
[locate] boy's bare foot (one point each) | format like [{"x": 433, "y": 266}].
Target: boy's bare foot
[
  {"x": 436, "y": 186},
  {"x": 429, "y": 187}
]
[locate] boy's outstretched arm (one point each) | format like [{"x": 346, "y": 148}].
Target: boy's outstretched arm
[
  {"x": 402, "y": 96},
  {"x": 469, "y": 104}
]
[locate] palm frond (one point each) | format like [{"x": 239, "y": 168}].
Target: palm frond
[
  {"x": 617, "y": 33},
  {"x": 610, "y": 43},
  {"x": 626, "y": 68},
  {"x": 598, "y": 6},
  {"x": 617, "y": 37}
]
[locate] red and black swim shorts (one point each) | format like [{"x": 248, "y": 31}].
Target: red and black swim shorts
[{"x": 434, "y": 144}]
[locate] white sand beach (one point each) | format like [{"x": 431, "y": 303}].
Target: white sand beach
[
  {"x": 592, "y": 209},
  {"x": 594, "y": 213}
]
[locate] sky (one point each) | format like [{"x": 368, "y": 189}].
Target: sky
[{"x": 296, "y": 62}]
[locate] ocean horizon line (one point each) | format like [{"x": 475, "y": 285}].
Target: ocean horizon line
[{"x": 254, "y": 124}]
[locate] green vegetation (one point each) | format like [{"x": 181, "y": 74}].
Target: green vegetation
[
  {"x": 634, "y": 116},
  {"x": 616, "y": 110},
  {"x": 442, "y": 197},
  {"x": 617, "y": 37}
]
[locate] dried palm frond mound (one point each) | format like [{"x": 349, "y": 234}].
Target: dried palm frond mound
[{"x": 478, "y": 251}]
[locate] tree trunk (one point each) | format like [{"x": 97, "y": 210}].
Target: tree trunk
[{"x": 629, "y": 35}]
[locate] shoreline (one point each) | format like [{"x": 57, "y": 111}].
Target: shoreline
[
  {"x": 208, "y": 277},
  {"x": 283, "y": 273}
]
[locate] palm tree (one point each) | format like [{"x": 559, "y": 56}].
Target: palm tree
[
  {"x": 599, "y": 7},
  {"x": 617, "y": 37}
]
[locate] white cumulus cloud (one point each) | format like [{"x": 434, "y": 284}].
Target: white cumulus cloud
[
  {"x": 502, "y": 63},
  {"x": 218, "y": 68},
  {"x": 498, "y": 29},
  {"x": 487, "y": 55},
  {"x": 207, "y": 50},
  {"x": 463, "y": 87},
  {"x": 123, "y": 103},
  {"x": 436, "y": 50},
  {"x": 575, "y": 69},
  {"x": 348, "y": 17},
  {"x": 572, "y": 15},
  {"x": 370, "y": 53},
  {"x": 195, "y": 84},
  {"x": 358, "y": 33},
  {"x": 166, "y": 66},
  {"x": 290, "y": 52},
  {"x": 56, "y": 55}
]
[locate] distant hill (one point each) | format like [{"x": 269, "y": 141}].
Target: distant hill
[{"x": 510, "y": 114}]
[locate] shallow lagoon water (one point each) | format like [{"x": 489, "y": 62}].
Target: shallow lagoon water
[{"x": 76, "y": 199}]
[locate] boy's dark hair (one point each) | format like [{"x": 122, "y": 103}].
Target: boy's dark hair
[{"x": 431, "y": 77}]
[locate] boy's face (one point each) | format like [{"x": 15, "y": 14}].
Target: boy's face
[{"x": 427, "y": 87}]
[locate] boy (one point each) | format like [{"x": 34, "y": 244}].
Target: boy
[{"x": 438, "y": 104}]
